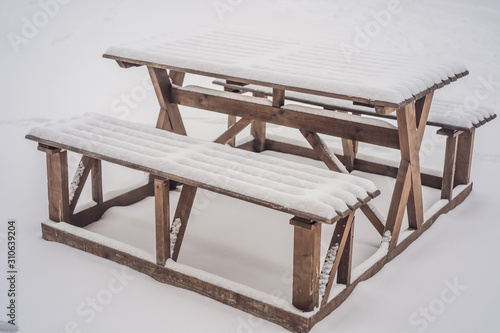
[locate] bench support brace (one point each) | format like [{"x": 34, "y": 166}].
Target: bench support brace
[
  {"x": 334, "y": 164},
  {"x": 342, "y": 235}
]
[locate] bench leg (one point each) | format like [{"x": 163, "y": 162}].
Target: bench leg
[
  {"x": 231, "y": 120},
  {"x": 464, "y": 157},
  {"x": 162, "y": 217},
  {"x": 450, "y": 162},
  {"x": 306, "y": 262},
  {"x": 58, "y": 188},
  {"x": 97, "y": 182}
]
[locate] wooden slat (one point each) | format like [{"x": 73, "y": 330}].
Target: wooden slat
[
  {"x": 450, "y": 159},
  {"x": 464, "y": 158},
  {"x": 233, "y": 131},
  {"x": 354, "y": 130},
  {"x": 169, "y": 113},
  {"x": 58, "y": 189},
  {"x": 162, "y": 221},
  {"x": 87, "y": 163},
  {"x": 182, "y": 212},
  {"x": 340, "y": 235},
  {"x": 97, "y": 195},
  {"x": 306, "y": 262}
]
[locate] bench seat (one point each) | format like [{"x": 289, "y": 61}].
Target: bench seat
[
  {"x": 444, "y": 114},
  {"x": 304, "y": 191}
]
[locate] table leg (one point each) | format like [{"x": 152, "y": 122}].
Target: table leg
[
  {"x": 170, "y": 117},
  {"x": 408, "y": 189}
]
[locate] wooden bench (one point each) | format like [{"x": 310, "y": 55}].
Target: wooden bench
[
  {"x": 312, "y": 195},
  {"x": 454, "y": 121}
]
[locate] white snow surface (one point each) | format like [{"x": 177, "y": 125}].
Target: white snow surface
[
  {"x": 279, "y": 60},
  {"x": 58, "y": 72},
  {"x": 291, "y": 185}
]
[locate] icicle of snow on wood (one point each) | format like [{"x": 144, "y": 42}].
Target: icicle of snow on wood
[
  {"x": 76, "y": 181},
  {"x": 176, "y": 225},
  {"x": 324, "y": 276}
]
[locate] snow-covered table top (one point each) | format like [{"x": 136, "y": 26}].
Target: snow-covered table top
[{"x": 380, "y": 79}]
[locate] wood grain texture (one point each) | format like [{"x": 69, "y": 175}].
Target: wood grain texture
[
  {"x": 409, "y": 148},
  {"x": 291, "y": 321},
  {"x": 162, "y": 220},
  {"x": 182, "y": 213},
  {"x": 170, "y": 117},
  {"x": 348, "y": 126},
  {"x": 94, "y": 213},
  {"x": 230, "y": 134},
  {"x": 306, "y": 262},
  {"x": 87, "y": 163},
  {"x": 339, "y": 238},
  {"x": 450, "y": 160},
  {"x": 58, "y": 188},
  {"x": 464, "y": 158},
  {"x": 97, "y": 193}
]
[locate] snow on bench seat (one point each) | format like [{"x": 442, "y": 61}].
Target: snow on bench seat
[
  {"x": 305, "y": 191},
  {"x": 381, "y": 79},
  {"x": 445, "y": 114}
]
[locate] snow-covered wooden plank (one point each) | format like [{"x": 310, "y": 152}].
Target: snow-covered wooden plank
[
  {"x": 298, "y": 189},
  {"x": 380, "y": 79},
  {"x": 364, "y": 129},
  {"x": 446, "y": 114}
]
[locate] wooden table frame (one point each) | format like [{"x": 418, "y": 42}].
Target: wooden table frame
[{"x": 257, "y": 111}]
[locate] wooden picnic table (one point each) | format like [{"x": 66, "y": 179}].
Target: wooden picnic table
[
  {"x": 391, "y": 85},
  {"x": 387, "y": 82}
]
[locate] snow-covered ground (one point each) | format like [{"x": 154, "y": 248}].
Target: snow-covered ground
[{"x": 51, "y": 67}]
